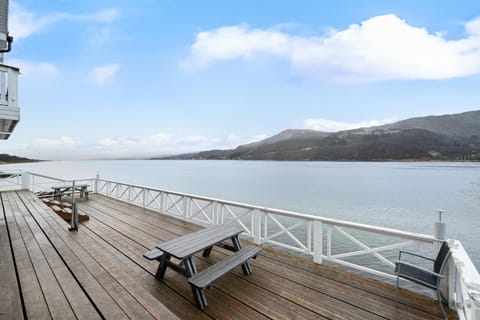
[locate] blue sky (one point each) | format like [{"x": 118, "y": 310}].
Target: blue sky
[{"x": 103, "y": 79}]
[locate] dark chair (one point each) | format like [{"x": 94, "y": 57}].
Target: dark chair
[{"x": 427, "y": 278}]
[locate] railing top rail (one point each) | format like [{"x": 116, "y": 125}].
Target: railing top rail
[
  {"x": 58, "y": 179},
  {"x": 47, "y": 177},
  {"x": 285, "y": 213}
]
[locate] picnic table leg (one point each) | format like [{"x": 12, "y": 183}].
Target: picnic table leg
[
  {"x": 56, "y": 194},
  {"x": 190, "y": 268},
  {"x": 198, "y": 294},
  {"x": 237, "y": 245},
  {"x": 162, "y": 267},
  {"x": 206, "y": 252}
]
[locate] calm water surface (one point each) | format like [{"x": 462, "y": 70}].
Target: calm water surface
[{"x": 390, "y": 194}]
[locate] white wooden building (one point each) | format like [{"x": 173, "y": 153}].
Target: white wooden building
[{"x": 9, "y": 111}]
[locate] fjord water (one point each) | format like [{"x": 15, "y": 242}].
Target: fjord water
[{"x": 399, "y": 195}]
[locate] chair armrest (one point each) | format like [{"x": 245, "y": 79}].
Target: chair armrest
[
  {"x": 398, "y": 265},
  {"x": 413, "y": 254}
]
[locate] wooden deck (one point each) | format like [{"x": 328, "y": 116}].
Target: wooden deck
[{"x": 47, "y": 272}]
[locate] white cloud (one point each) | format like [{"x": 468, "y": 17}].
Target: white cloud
[
  {"x": 259, "y": 137},
  {"x": 161, "y": 136},
  {"x": 64, "y": 147},
  {"x": 235, "y": 42},
  {"x": 24, "y": 23},
  {"x": 473, "y": 27},
  {"x": 107, "y": 142},
  {"x": 233, "y": 138},
  {"x": 35, "y": 69},
  {"x": 103, "y": 74},
  {"x": 380, "y": 48},
  {"x": 62, "y": 141},
  {"x": 334, "y": 126},
  {"x": 160, "y": 144}
]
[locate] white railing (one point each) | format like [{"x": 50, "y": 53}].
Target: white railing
[
  {"x": 357, "y": 246},
  {"x": 44, "y": 185},
  {"x": 464, "y": 278},
  {"x": 10, "y": 180},
  {"x": 8, "y": 86},
  {"x": 336, "y": 241}
]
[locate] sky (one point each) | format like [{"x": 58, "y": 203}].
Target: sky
[{"x": 144, "y": 78}]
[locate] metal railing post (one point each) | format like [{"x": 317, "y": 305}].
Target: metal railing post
[
  {"x": 440, "y": 227},
  {"x": 74, "y": 217}
]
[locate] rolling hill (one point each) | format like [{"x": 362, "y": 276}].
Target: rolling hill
[{"x": 446, "y": 137}]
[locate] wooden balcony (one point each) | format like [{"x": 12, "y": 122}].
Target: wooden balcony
[
  {"x": 9, "y": 111},
  {"x": 47, "y": 271}
]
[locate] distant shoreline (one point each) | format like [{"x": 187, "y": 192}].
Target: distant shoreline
[
  {"x": 9, "y": 159},
  {"x": 341, "y": 160}
]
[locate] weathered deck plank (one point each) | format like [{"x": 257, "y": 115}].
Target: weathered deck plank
[
  {"x": 105, "y": 258},
  {"x": 54, "y": 277},
  {"x": 10, "y": 300},
  {"x": 134, "y": 301},
  {"x": 34, "y": 300},
  {"x": 365, "y": 299},
  {"x": 111, "y": 300}
]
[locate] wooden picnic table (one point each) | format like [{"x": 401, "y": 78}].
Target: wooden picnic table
[
  {"x": 59, "y": 191},
  {"x": 186, "y": 246}
]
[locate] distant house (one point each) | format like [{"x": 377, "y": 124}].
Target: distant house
[{"x": 435, "y": 154}]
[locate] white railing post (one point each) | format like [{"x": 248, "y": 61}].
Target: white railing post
[
  {"x": 476, "y": 309},
  {"x": 451, "y": 283},
  {"x": 317, "y": 241},
  {"x": 215, "y": 215},
  {"x": 440, "y": 234},
  {"x": 329, "y": 240},
  {"x": 144, "y": 199},
  {"x": 221, "y": 213},
  {"x": 26, "y": 178},
  {"x": 95, "y": 185},
  {"x": 185, "y": 207},
  {"x": 257, "y": 226},
  {"x": 162, "y": 202},
  {"x": 310, "y": 237}
]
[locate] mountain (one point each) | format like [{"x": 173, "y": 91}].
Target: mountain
[
  {"x": 446, "y": 137},
  {"x": 460, "y": 125}
]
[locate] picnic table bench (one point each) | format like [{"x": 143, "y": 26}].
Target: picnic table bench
[
  {"x": 186, "y": 246},
  {"x": 59, "y": 191}
]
